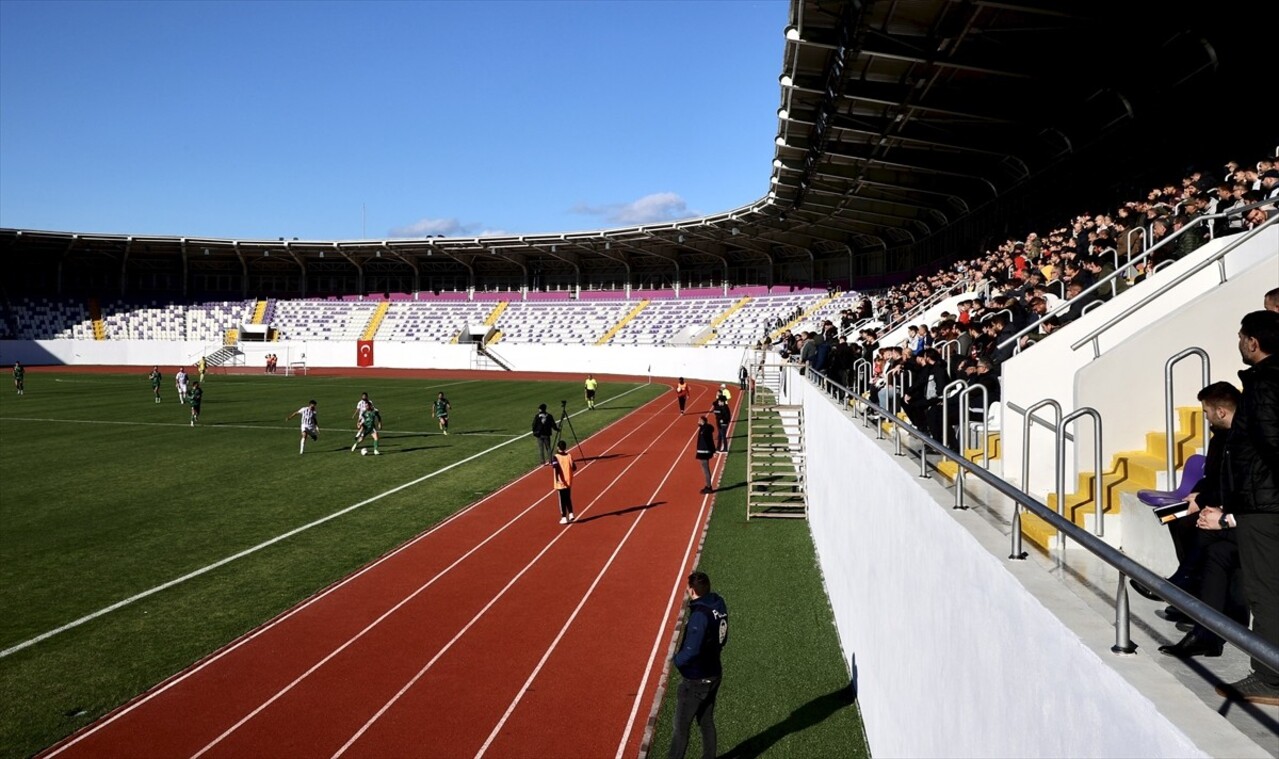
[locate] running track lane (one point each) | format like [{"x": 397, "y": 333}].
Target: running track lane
[{"x": 425, "y": 652}]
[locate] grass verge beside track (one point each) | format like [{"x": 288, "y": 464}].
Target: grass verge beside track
[{"x": 786, "y": 689}]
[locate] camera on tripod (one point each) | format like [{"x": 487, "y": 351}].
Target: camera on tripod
[{"x": 563, "y": 404}]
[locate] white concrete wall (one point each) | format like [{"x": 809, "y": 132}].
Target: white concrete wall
[
  {"x": 943, "y": 635},
  {"x": 709, "y": 363},
  {"x": 1199, "y": 310}
]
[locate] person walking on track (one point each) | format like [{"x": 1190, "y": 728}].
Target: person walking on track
[
  {"x": 562, "y": 468},
  {"x": 705, "y": 450}
]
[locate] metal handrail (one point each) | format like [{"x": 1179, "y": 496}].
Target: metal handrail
[
  {"x": 1205, "y": 364},
  {"x": 1025, "y": 464},
  {"x": 1144, "y": 255},
  {"x": 1234, "y": 633},
  {"x": 965, "y": 419},
  {"x": 946, "y": 393},
  {"x": 1216, "y": 258},
  {"x": 1098, "y": 514}
]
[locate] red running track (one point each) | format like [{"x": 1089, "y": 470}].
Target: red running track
[{"x": 499, "y": 633}]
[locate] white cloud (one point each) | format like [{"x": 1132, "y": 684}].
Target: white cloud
[
  {"x": 432, "y": 227},
  {"x": 660, "y": 206}
]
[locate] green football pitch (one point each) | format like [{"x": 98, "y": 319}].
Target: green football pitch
[{"x": 132, "y": 544}]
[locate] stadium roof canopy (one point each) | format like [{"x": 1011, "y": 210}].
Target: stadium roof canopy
[{"x": 904, "y": 128}]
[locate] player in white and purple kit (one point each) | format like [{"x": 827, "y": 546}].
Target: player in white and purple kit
[
  {"x": 310, "y": 424},
  {"x": 180, "y": 379}
]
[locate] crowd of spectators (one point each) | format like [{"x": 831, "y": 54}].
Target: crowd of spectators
[{"x": 1048, "y": 280}]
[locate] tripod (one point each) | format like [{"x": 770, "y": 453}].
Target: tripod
[{"x": 559, "y": 429}]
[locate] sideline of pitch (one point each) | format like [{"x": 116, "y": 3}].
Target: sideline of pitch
[{"x": 267, "y": 543}]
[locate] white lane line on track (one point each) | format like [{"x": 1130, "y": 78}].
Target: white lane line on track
[
  {"x": 254, "y": 549},
  {"x": 580, "y": 605},
  {"x": 480, "y": 614},
  {"x": 279, "y": 694},
  {"x": 176, "y": 679}
]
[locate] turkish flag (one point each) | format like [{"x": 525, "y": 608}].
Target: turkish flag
[{"x": 364, "y": 353}]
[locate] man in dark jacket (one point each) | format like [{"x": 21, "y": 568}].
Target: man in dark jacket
[
  {"x": 705, "y": 450},
  {"x": 544, "y": 427},
  {"x": 1251, "y": 488},
  {"x": 698, "y": 661}
]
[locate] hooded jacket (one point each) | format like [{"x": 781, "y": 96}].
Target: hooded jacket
[{"x": 705, "y": 635}]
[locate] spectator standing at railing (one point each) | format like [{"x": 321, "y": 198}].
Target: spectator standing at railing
[
  {"x": 1271, "y": 301},
  {"x": 1252, "y": 491}
]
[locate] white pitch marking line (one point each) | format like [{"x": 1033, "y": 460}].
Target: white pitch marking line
[
  {"x": 254, "y": 549},
  {"x": 480, "y": 614},
  {"x": 261, "y": 707},
  {"x": 180, "y": 677},
  {"x": 580, "y": 605},
  {"x": 216, "y": 425}
]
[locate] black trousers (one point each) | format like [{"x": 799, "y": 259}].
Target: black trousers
[
  {"x": 1258, "y": 536},
  {"x": 1218, "y": 574},
  {"x": 696, "y": 698},
  {"x": 566, "y": 501}
]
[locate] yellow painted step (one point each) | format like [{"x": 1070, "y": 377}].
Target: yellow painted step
[
  {"x": 95, "y": 313},
  {"x": 718, "y": 320},
  {"x": 375, "y": 320},
  {"x": 1129, "y": 472},
  {"x": 624, "y": 321},
  {"x": 496, "y": 313},
  {"x": 497, "y": 335},
  {"x": 951, "y": 469},
  {"x": 259, "y": 312}
]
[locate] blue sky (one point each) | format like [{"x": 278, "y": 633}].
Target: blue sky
[{"x": 339, "y": 120}]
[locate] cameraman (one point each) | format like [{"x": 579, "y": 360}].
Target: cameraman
[{"x": 543, "y": 427}]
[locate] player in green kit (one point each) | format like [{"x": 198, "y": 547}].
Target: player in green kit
[
  {"x": 442, "y": 407},
  {"x": 370, "y": 422},
  {"x": 197, "y": 397},
  {"x": 19, "y": 377},
  {"x": 155, "y": 377}
]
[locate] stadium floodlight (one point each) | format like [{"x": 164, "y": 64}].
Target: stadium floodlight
[
  {"x": 782, "y": 113},
  {"x": 774, "y": 180},
  {"x": 781, "y": 141},
  {"x": 792, "y": 33},
  {"x": 785, "y": 80},
  {"x": 777, "y": 163}
]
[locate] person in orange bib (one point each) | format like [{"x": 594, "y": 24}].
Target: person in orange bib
[
  {"x": 681, "y": 394},
  {"x": 562, "y": 469}
]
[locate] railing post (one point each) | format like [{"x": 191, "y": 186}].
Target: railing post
[
  {"x": 1169, "y": 408},
  {"x": 1025, "y": 466},
  {"x": 1097, "y": 488},
  {"x": 1123, "y": 639}
]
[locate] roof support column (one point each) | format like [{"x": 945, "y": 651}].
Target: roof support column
[
  {"x": 185, "y": 288},
  {"x": 124, "y": 265},
  {"x": 244, "y": 270}
]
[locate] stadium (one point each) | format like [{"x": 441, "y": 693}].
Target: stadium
[{"x": 939, "y": 526}]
